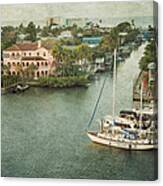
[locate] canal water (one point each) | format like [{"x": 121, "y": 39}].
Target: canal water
[{"x": 43, "y": 131}]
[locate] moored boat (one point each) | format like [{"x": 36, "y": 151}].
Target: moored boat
[
  {"x": 131, "y": 130},
  {"x": 121, "y": 142}
]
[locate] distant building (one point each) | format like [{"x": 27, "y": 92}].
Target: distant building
[
  {"x": 92, "y": 41},
  {"x": 65, "y": 34},
  {"x": 80, "y": 22},
  {"x": 28, "y": 53},
  {"x": 55, "y": 21}
]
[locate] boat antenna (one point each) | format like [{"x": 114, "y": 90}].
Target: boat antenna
[
  {"x": 96, "y": 105},
  {"x": 114, "y": 83}
]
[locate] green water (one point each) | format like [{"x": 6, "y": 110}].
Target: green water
[{"x": 43, "y": 132}]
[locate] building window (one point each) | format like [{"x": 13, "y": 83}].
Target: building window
[
  {"x": 38, "y": 54},
  {"x": 42, "y": 73},
  {"x": 18, "y": 63},
  {"x": 44, "y": 53},
  {"x": 38, "y": 74},
  {"x": 46, "y": 64},
  {"x": 38, "y": 64},
  {"x": 9, "y": 72},
  {"x": 42, "y": 63},
  {"x": 13, "y": 64},
  {"x": 13, "y": 73},
  {"x": 27, "y": 64},
  {"x": 17, "y": 54},
  {"x": 13, "y": 54},
  {"x": 23, "y": 64},
  {"x": 24, "y": 54},
  {"x": 8, "y": 64},
  {"x": 29, "y": 54},
  {"x": 18, "y": 73},
  {"x": 46, "y": 72}
]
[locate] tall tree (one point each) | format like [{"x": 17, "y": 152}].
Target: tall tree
[
  {"x": 31, "y": 31},
  {"x": 8, "y": 37}
]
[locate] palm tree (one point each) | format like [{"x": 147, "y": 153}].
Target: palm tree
[
  {"x": 133, "y": 23},
  {"x": 5, "y": 69},
  {"x": 19, "y": 69},
  {"x": 5, "y": 72},
  {"x": 85, "y": 54},
  {"x": 57, "y": 52},
  {"x": 31, "y": 70}
]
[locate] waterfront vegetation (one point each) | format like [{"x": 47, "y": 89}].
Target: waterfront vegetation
[
  {"x": 61, "y": 82},
  {"x": 149, "y": 56},
  {"x": 9, "y": 80}
]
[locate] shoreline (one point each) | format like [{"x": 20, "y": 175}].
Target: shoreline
[{"x": 51, "y": 83}]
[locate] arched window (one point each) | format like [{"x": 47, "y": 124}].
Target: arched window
[
  {"x": 42, "y": 73},
  {"x": 18, "y": 73},
  {"x": 13, "y": 54},
  {"x": 46, "y": 72},
  {"x": 9, "y": 72},
  {"x": 17, "y": 54},
  {"x": 29, "y": 54},
  {"x": 27, "y": 64},
  {"x": 38, "y": 73},
  {"x": 18, "y": 63},
  {"x": 8, "y": 64},
  {"x": 38, "y": 54},
  {"x": 23, "y": 64},
  {"x": 44, "y": 53},
  {"x": 38, "y": 64},
  {"x": 13, "y": 73},
  {"x": 42, "y": 63},
  {"x": 24, "y": 53},
  {"x": 13, "y": 63},
  {"x": 46, "y": 64}
]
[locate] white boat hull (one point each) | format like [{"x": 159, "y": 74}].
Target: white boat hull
[{"x": 120, "y": 144}]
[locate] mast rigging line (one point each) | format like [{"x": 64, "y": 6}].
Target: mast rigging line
[{"x": 97, "y": 103}]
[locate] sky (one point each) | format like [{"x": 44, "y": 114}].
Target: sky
[{"x": 20, "y": 12}]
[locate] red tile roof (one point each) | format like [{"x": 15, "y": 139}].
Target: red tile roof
[{"x": 23, "y": 46}]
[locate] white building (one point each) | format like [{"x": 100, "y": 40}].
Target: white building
[{"x": 24, "y": 54}]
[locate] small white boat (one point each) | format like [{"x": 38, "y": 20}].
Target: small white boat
[{"x": 22, "y": 87}]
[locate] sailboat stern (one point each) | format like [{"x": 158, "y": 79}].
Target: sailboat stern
[{"x": 96, "y": 139}]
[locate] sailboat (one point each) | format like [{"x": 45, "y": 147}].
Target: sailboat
[{"x": 131, "y": 130}]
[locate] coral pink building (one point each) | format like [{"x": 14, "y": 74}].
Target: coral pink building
[{"x": 28, "y": 53}]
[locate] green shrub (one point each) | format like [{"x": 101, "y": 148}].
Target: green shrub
[{"x": 63, "y": 81}]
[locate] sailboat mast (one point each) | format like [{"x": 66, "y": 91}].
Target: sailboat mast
[
  {"x": 141, "y": 103},
  {"x": 114, "y": 82}
]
